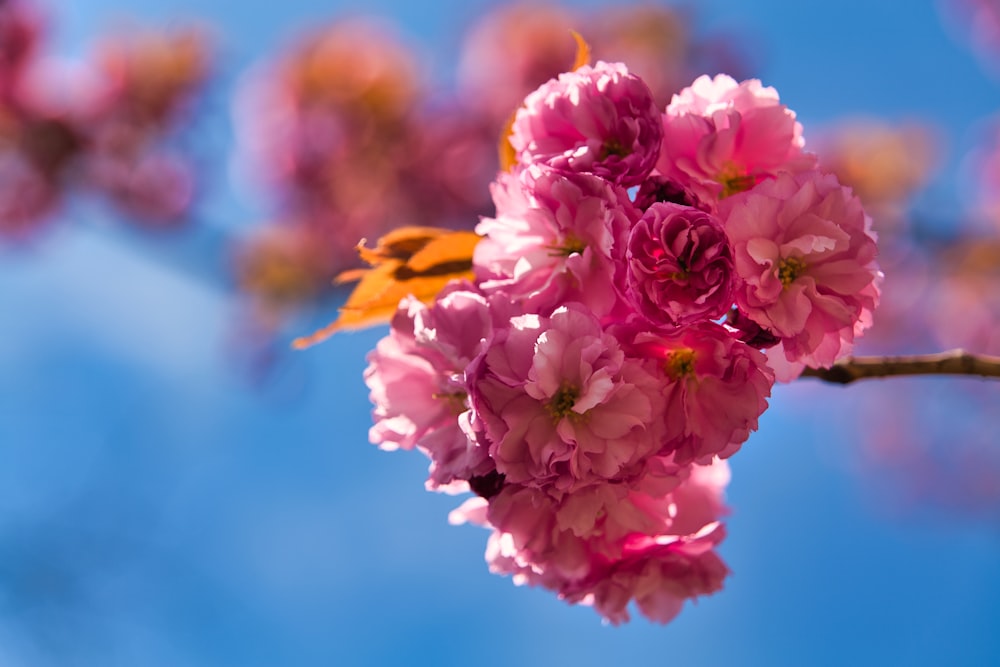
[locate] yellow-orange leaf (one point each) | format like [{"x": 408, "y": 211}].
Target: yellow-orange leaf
[
  {"x": 582, "y": 50},
  {"x": 505, "y": 149},
  {"x": 417, "y": 261},
  {"x": 398, "y": 244},
  {"x": 447, "y": 254}
]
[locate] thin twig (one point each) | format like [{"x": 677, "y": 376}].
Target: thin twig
[{"x": 952, "y": 362}]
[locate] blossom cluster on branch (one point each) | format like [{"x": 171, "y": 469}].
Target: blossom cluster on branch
[
  {"x": 646, "y": 278},
  {"x": 99, "y": 125}
]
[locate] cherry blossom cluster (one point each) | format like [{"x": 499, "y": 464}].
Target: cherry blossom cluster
[
  {"x": 101, "y": 125},
  {"x": 646, "y": 277}
]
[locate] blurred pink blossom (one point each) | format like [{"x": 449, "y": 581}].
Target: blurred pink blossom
[
  {"x": 510, "y": 52},
  {"x": 96, "y": 125}
]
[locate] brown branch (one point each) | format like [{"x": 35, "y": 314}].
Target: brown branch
[{"x": 952, "y": 362}]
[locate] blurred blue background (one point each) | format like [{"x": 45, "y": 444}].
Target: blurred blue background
[{"x": 156, "y": 508}]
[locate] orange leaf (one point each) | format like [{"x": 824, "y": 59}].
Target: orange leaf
[
  {"x": 508, "y": 156},
  {"x": 449, "y": 253},
  {"x": 582, "y": 50},
  {"x": 416, "y": 261},
  {"x": 398, "y": 244}
]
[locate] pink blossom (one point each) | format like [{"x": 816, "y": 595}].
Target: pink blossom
[
  {"x": 723, "y": 137},
  {"x": 27, "y": 197},
  {"x": 561, "y": 405},
  {"x": 680, "y": 265},
  {"x": 337, "y": 90},
  {"x": 715, "y": 386},
  {"x": 417, "y": 383},
  {"x": 700, "y": 500},
  {"x": 600, "y": 120},
  {"x": 806, "y": 257},
  {"x": 70, "y": 123},
  {"x": 511, "y": 50},
  {"x": 659, "y": 573},
  {"x": 157, "y": 187},
  {"x": 560, "y": 536},
  {"x": 606, "y": 546},
  {"x": 20, "y": 28},
  {"x": 555, "y": 238}
]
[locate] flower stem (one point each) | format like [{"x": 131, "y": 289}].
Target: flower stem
[{"x": 952, "y": 362}]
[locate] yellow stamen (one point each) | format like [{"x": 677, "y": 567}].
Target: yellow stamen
[
  {"x": 679, "y": 363},
  {"x": 570, "y": 245},
  {"x": 561, "y": 404},
  {"x": 734, "y": 180},
  {"x": 789, "y": 269},
  {"x": 613, "y": 147},
  {"x": 455, "y": 401}
]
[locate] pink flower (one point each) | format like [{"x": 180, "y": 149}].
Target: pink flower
[
  {"x": 723, "y": 137},
  {"x": 561, "y": 535},
  {"x": 157, "y": 188},
  {"x": 560, "y": 405},
  {"x": 555, "y": 238},
  {"x": 335, "y": 94},
  {"x": 715, "y": 386},
  {"x": 806, "y": 256},
  {"x": 27, "y": 197},
  {"x": 600, "y": 120},
  {"x": 607, "y": 546},
  {"x": 20, "y": 28},
  {"x": 659, "y": 573},
  {"x": 680, "y": 265},
  {"x": 511, "y": 50},
  {"x": 417, "y": 382}
]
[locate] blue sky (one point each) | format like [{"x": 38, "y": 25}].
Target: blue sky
[{"x": 157, "y": 509}]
